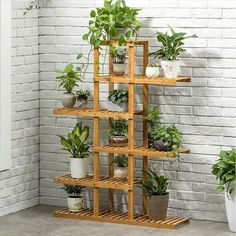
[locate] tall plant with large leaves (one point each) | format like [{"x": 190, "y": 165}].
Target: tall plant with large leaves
[{"x": 77, "y": 143}]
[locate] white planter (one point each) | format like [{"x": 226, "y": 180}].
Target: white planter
[
  {"x": 122, "y": 107},
  {"x": 81, "y": 103},
  {"x": 152, "y": 71},
  {"x": 75, "y": 203},
  {"x": 78, "y": 167},
  {"x": 170, "y": 69},
  {"x": 120, "y": 172},
  {"x": 119, "y": 68},
  {"x": 68, "y": 100},
  {"x": 231, "y": 210}
]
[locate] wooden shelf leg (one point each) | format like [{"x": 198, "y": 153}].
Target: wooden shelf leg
[{"x": 130, "y": 192}]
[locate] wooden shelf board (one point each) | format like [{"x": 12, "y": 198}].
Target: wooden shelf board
[
  {"x": 170, "y": 222},
  {"x": 138, "y": 151},
  {"x": 139, "y": 42},
  {"x": 89, "y": 112},
  {"x": 104, "y": 182}
]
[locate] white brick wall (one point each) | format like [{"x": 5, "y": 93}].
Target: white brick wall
[{"x": 19, "y": 187}]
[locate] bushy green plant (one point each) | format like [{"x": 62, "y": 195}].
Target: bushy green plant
[
  {"x": 106, "y": 20},
  {"x": 119, "y": 96},
  {"x": 82, "y": 94},
  {"x": 120, "y": 160},
  {"x": 77, "y": 143},
  {"x": 172, "y": 45},
  {"x": 224, "y": 170},
  {"x": 154, "y": 184},
  {"x": 119, "y": 127},
  {"x": 73, "y": 190},
  {"x": 153, "y": 117}
]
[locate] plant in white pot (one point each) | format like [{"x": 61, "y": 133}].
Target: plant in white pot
[
  {"x": 117, "y": 134},
  {"x": 152, "y": 70},
  {"x": 119, "y": 58},
  {"x": 224, "y": 170},
  {"x": 82, "y": 97},
  {"x": 155, "y": 187},
  {"x": 118, "y": 100},
  {"x": 120, "y": 163},
  {"x": 172, "y": 46},
  {"x": 78, "y": 145},
  {"x": 74, "y": 199}
]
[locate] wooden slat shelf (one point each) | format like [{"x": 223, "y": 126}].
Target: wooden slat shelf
[
  {"x": 89, "y": 112},
  {"x": 104, "y": 182},
  {"x": 141, "y": 79},
  {"x": 170, "y": 222},
  {"x": 139, "y": 42},
  {"x": 138, "y": 151}
]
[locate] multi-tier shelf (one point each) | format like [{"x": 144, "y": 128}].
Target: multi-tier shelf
[{"x": 96, "y": 181}]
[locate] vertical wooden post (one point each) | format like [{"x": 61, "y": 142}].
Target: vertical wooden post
[
  {"x": 96, "y": 134},
  {"x": 145, "y": 126}
]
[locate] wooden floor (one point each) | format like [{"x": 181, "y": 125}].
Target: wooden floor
[{"x": 170, "y": 222}]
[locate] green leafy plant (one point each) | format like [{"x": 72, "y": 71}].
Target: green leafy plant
[
  {"x": 152, "y": 64},
  {"x": 172, "y": 45},
  {"x": 224, "y": 170},
  {"x": 154, "y": 184},
  {"x": 77, "y": 143},
  {"x": 119, "y": 96},
  {"x": 120, "y": 160},
  {"x": 73, "y": 190},
  {"x": 170, "y": 136},
  {"x": 118, "y": 127},
  {"x": 82, "y": 94},
  {"x": 106, "y": 20},
  {"x": 118, "y": 54},
  {"x": 153, "y": 117},
  {"x": 30, "y": 6}
]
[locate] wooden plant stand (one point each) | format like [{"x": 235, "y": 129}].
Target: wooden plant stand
[{"x": 96, "y": 181}]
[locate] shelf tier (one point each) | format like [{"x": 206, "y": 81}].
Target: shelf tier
[
  {"x": 170, "y": 222},
  {"x": 138, "y": 151},
  {"x": 89, "y": 112},
  {"x": 138, "y": 42},
  {"x": 104, "y": 182},
  {"x": 141, "y": 79}
]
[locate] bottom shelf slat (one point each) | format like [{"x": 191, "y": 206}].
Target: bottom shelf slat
[{"x": 170, "y": 222}]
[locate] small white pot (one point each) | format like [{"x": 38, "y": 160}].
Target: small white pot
[
  {"x": 68, "y": 100},
  {"x": 119, "y": 68},
  {"x": 75, "y": 203},
  {"x": 231, "y": 210},
  {"x": 122, "y": 107},
  {"x": 170, "y": 69},
  {"x": 81, "y": 103},
  {"x": 152, "y": 71},
  {"x": 120, "y": 172},
  {"x": 78, "y": 167}
]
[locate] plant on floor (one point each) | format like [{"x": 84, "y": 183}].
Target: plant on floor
[
  {"x": 120, "y": 160},
  {"x": 107, "y": 20},
  {"x": 119, "y": 96},
  {"x": 73, "y": 190},
  {"x": 119, "y": 127}
]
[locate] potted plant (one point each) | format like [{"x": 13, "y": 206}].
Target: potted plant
[
  {"x": 120, "y": 163},
  {"x": 172, "y": 46},
  {"x": 152, "y": 70},
  {"x": 68, "y": 79},
  {"x": 118, "y": 100},
  {"x": 82, "y": 97},
  {"x": 224, "y": 170},
  {"x": 115, "y": 20},
  {"x": 119, "y": 57},
  {"x": 78, "y": 146},
  {"x": 74, "y": 199},
  {"x": 118, "y": 133},
  {"x": 155, "y": 187}
]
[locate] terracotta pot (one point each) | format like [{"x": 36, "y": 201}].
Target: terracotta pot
[
  {"x": 68, "y": 100},
  {"x": 119, "y": 68},
  {"x": 118, "y": 141},
  {"x": 157, "y": 207},
  {"x": 121, "y": 172},
  {"x": 75, "y": 203}
]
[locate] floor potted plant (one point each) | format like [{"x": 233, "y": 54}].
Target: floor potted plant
[
  {"x": 172, "y": 46},
  {"x": 152, "y": 70},
  {"x": 118, "y": 100},
  {"x": 74, "y": 199},
  {"x": 117, "y": 134},
  {"x": 82, "y": 98},
  {"x": 78, "y": 145},
  {"x": 119, "y": 58},
  {"x": 224, "y": 170},
  {"x": 68, "y": 79},
  {"x": 115, "y": 20},
  {"x": 155, "y": 187},
  {"x": 120, "y": 163}
]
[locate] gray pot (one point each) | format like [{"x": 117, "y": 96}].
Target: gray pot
[
  {"x": 68, "y": 100},
  {"x": 118, "y": 68},
  {"x": 157, "y": 207},
  {"x": 159, "y": 145},
  {"x": 82, "y": 103},
  {"x": 122, "y": 107},
  {"x": 120, "y": 32}
]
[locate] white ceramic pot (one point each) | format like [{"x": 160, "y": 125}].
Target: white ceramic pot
[
  {"x": 230, "y": 204},
  {"x": 68, "y": 100},
  {"x": 120, "y": 172},
  {"x": 122, "y": 107},
  {"x": 170, "y": 69},
  {"x": 75, "y": 203},
  {"x": 78, "y": 167},
  {"x": 152, "y": 71},
  {"x": 118, "y": 68},
  {"x": 81, "y": 103}
]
